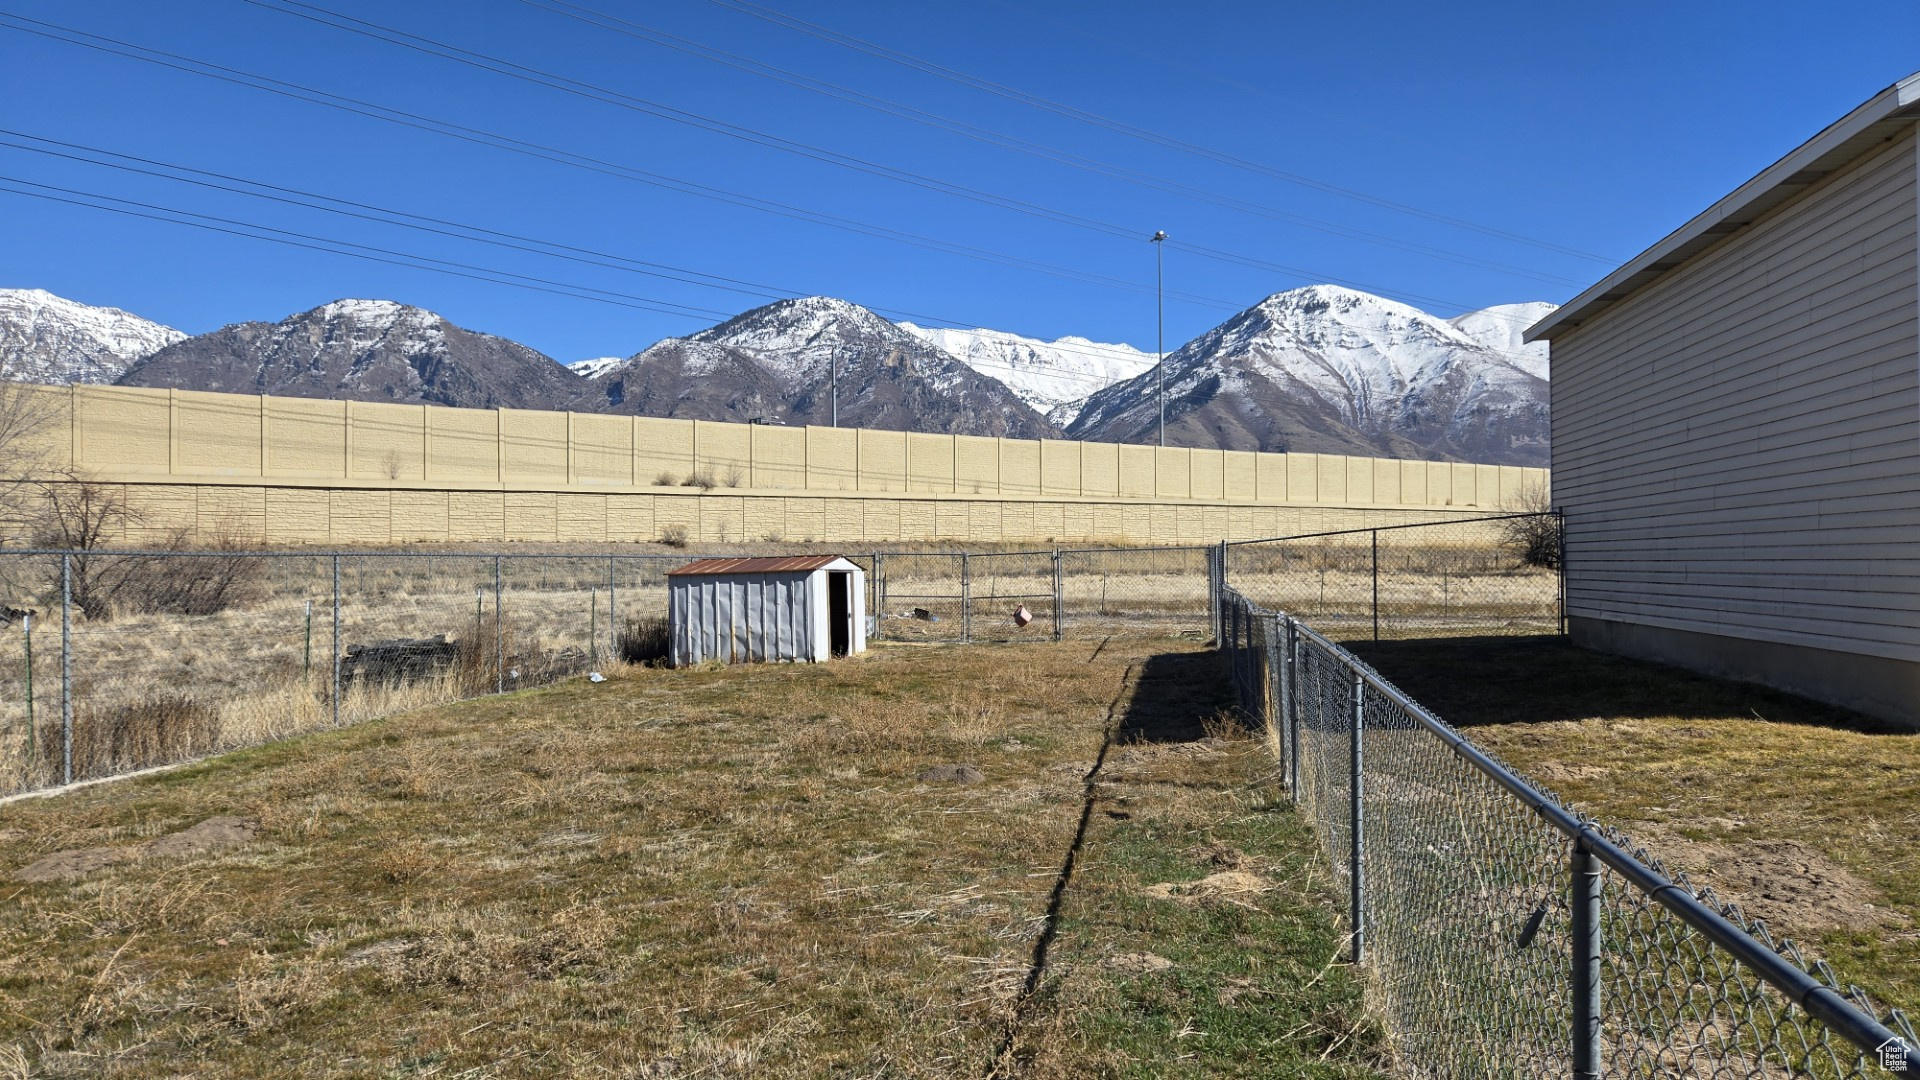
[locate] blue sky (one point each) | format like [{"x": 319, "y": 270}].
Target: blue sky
[{"x": 1579, "y": 128}]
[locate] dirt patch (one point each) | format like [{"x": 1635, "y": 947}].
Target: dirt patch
[
  {"x": 1233, "y": 886},
  {"x": 951, "y": 774},
  {"x": 211, "y": 835},
  {"x": 1137, "y": 963},
  {"x": 1791, "y": 885},
  {"x": 68, "y": 865}
]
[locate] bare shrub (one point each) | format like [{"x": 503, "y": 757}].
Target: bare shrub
[
  {"x": 735, "y": 476},
  {"x": 642, "y": 641},
  {"x": 664, "y": 479},
  {"x": 158, "y": 728},
  {"x": 83, "y": 517},
  {"x": 701, "y": 478},
  {"x": 674, "y": 536},
  {"x": 1534, "y": 539}
]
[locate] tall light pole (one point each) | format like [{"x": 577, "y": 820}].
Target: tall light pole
[{"x": 1160, "y": 339}]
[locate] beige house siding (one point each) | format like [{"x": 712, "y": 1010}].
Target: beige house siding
[{"x": 1737, "y": 445}]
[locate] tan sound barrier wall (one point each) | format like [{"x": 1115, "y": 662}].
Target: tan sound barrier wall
[{"x": 294, "y": 470}]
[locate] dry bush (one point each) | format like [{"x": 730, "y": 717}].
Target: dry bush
[
  {"x": 674, "y": 536},
  {"x": 643, "y": 640},
  {"x": 702, "y": 479},
  {"x": 156, "y": 729},
  {"x": 1534, "y": 540},
  {"x": 735, "y": 476}
]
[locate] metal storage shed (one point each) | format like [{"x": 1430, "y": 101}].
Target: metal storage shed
[{"x": 807, "y": 607}]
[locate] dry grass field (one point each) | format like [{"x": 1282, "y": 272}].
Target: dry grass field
[
  {"x": 1806, "y": 815},
  {"x": 1045, "y": 861}
]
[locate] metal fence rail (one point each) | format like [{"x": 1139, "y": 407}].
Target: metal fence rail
[
  {"x": 1484, "y": 575},
  {"x": 1508, "y": 935}
]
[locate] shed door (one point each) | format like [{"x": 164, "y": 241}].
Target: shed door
[{"x": 840, "y": 612}]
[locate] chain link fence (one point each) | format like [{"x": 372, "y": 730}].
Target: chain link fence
[
  {"x": 1508, "y": 936},
  {"x": 114, "y": 661},
  {"x": 1478, "y": 576}
]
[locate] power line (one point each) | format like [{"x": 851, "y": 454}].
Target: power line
[
  {"x": 531, "y": 245},
  {"x": 481, "y": 137},
  {"x": 572, "y": 159},
  {"x": 591, "y": 91},
  {"x": 211, "y": 223},
  {"x": 638, "y": 31},
  {"x": 849, "y": 41}
]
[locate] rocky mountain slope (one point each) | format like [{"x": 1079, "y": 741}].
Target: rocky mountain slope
[
  {"x": 1335, "y": 370},
  {"x": 363, "y": 350},
  {"x": 48, "y": 339},
  {"x": 779, "y": 362},
  {"x": 1055, "y": 377}
]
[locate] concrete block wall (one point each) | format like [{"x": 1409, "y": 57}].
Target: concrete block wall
[{"x": 294, "y": 470}]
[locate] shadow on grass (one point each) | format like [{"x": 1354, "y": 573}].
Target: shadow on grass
[
  {"x": 1173, "y": 696},
  {"x": 1471, "y": 681}
]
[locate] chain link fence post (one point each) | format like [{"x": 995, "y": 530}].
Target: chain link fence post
[
  {"x": 1059, "y": 600},
  {"x": 1357, "y": 876},
  {"x": 1376, "y": 584},
  {"x": 879, "y": 595},
  {"x": 336, "y": 639},
  {"x": 66, "y": 668},
  {"x": 1585, "y": 880},
  {"x": 499, "y": 635},
  {"x": 966, "y": 601},
  {"x": 1294, "y": 645},
  {"x": 613, "y": 612},
  {"x": 1280, "y": 674},
  {"x": 1560, "y": 566}
]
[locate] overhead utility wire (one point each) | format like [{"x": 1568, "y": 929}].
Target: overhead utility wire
[
  {"x": 494, "y": 140},
  {"x": 572, "y": 159},
  {"x": 849, "y": 41},
  {"x": 368, "y": 252},
  {"x": 640, "y": 32},
  {"x": 480, "y": 137},
  {"x": 401, "y": 259},
  {"x": 767, "y": 291},
  {"x": 435, "y": 47}
]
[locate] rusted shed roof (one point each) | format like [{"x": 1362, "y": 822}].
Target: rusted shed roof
[{"x": 764, "y": 564}]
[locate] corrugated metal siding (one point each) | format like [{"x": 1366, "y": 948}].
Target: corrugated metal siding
[
  {"x": 1738, "y": 447},
  {"x": 748, "y": 617}
]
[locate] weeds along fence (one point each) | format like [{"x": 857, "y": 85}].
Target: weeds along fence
[
  {"x": 1485, "y": 576},
  {"x": 112, "y": 661},
  {"x": 1507, "y": 935},
  {"x": 117, "y": 660}
]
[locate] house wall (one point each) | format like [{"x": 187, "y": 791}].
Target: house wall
[
  {"x": 1737, "y": 446},
  {"x": 300, "y": 471}
]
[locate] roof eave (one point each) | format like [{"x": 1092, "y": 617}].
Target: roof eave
[{"x": 1879, "y": 119}]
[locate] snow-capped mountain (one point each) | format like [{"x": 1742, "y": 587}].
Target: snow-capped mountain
[
  {"x": 1055, "y": 377},
  {"x": 363, "y": 350},
  {"x": 781, "y": 362},
  {"x": 598, "y": 366},
  {"x": 1500, "y": 328},
  {"x": 49, "y": 339},
  {"x": 1330, "y": 369}
]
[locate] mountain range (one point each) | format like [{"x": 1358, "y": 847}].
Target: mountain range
[{"x": 1322, "y": 369}]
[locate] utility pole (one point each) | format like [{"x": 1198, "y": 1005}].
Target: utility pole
[
  {"x": 833, "y": 366},
  {"x": 1160, "y": 339}
]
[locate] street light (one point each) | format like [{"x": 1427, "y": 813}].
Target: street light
[{"x": 1160, "y": 341}]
